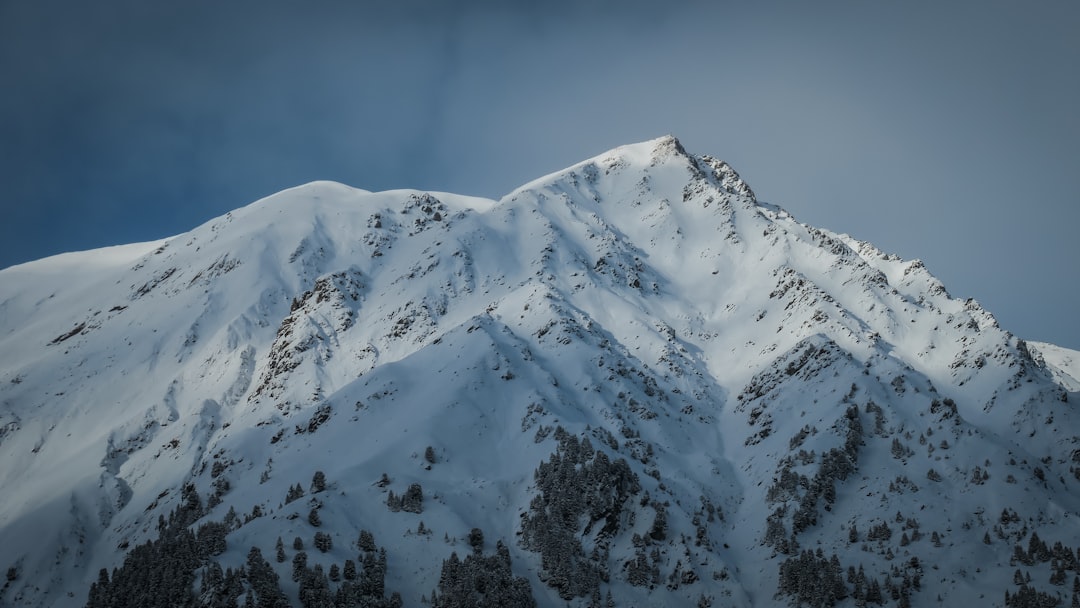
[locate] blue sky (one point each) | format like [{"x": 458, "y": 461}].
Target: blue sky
[{"x": 941, "y": 131}]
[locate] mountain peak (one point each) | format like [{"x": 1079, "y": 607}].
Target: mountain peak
[
  {"x": 668, "y": 148},
  {"x": 708, "y": 386},
  {"x": 648, "y": 153},
  {"x": 667, "y": 145}
]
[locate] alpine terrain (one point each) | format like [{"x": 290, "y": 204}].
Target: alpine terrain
[{"x": 628, "y": 383}]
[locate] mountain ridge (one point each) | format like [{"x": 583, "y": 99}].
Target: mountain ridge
[{"x": 643, "y": 298}]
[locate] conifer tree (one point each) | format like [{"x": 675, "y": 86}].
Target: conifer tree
[{"x": 318, "y": 482}]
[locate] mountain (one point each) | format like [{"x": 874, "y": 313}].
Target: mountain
[{"x": 628, "y": 379}]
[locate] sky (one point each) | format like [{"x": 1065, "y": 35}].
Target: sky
[{"x": 943, "y": 131}]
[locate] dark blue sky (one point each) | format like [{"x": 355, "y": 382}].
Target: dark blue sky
[{"x": 945, "y": 131}]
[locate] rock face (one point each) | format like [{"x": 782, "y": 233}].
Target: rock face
[{"x": 625, "y": 383}]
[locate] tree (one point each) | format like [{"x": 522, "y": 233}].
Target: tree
[
  {"x": 264, "y": 581},
  {"x": 366, "y": 542},
  {"x": 481, "y": 581},
  {"x": 873, "y": 593},
  {"x": 476, "y": 540},
  {"x": 318, "y": 482},
  {"x": 813, "y": 579},
  {"x": 99, "y": 591},
  {"x": 881, "y": 531},
  {"x": 412, "y": 500},
  {"x": 280, "y": 547},
  {"x": 579, "y": 489},
  {"x": 313, "y": 518},
  {"x": 299, "y": 565},
  {"x": 658, "y": 531}
]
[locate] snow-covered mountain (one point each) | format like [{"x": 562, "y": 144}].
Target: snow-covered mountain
[{"x": 642, "y": 385}]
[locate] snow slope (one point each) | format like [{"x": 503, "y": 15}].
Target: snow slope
[
  {"x": 643, "y": 298},
  {"x": 1063, "y": 363}
]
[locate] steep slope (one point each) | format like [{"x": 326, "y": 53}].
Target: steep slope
[{"x": 631, "y": 374}]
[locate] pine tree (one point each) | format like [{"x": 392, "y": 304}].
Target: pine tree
[
  {"x": 482, "y": 581},
  {"x": 295, "y": 492},
  {"x": 264, "y": 581},
  {"x": 412, "y": 500},
  {"x": 366, "y": 542},
  {"x": 873, "y": 593},
  {"x": 299, "y": 564},
  {"x": 318, "y": 482},
  {"x": 99, "y": 591},
  {"x": 476, "y": 540},
  {"x": 280, "y": 548},
  {"x": 349, "y": 571}
]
